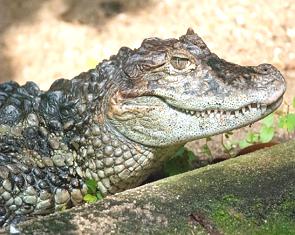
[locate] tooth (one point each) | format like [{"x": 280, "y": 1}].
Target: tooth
[
  {"x": 198, "y": 114},
  {"x": 192, "y": 112},
  {"x": 258, "y": 106},
  {"x": 203, "y": 114},
  {"x": 211, "y": 115},
  {"x": 244, "y": 110},
  {"x": 263, "y": 108},
  {"x": 208, "y": 112},
  {"x": 236, "y": 113},
  {"x": 215, "y": 111}
]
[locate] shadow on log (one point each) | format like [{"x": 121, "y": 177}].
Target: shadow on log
[{"x": 251, "y": 194}]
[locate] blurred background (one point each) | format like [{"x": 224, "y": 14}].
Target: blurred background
[{"x": 44, "y": 40}]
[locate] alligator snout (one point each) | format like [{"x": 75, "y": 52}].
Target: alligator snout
[
  {"x": 270, "y": 77},
  {"x": 266, "y": 69}
]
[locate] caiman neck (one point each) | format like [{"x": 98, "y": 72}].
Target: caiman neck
[{"x": 112, "y": 160}]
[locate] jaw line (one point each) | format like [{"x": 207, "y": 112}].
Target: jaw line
[
  {"x": 264, "y": 108},
  {"x": 195, "y": 127},
  {"x": 268, "y": 108}
]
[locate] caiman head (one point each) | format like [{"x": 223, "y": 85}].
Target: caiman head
[{"x": 173, "y": 91}]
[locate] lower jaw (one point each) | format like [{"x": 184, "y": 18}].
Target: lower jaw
[
  {"x": 246, "y": 111},
  {"x": 214, "y": 125}
]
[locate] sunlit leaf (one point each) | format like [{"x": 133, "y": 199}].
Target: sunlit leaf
[
  {"x": 287, "y": 122},
  {"x": 266, "y": 134},
  {"x": 268, "y": 120},
  {"x": 252, "y": 137},
  {"x": 244, "y": 144},
  {"x": 282, "y": 122},
  {"x": 290, "y": 122},
  {"x": 90, "y": 198}
]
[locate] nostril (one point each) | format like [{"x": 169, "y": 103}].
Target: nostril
[{"x": 265, "y": 68}]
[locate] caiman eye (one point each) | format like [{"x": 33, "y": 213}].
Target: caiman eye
[{"x": 180, "y": 63}]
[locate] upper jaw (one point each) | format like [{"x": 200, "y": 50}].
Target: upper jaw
[
  {"x": 253, "y": 107},
  {"x": 230, "y": 103}
]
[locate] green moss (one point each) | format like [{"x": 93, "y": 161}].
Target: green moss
[{"x": 232, "y": 216}]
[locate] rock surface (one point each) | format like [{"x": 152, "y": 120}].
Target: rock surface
[{"x": 251, "y": 194}]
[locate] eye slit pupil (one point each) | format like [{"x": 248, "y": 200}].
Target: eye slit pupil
[{"x": 179, "y": 62}]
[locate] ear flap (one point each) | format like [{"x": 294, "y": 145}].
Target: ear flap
[
  {"x": 192, "y": 38},
  {"x": 190, "y": 31}
]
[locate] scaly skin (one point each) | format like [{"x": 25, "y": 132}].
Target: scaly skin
[{"x": 120, "y": 121}]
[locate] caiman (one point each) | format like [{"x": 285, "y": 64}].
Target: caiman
[{"x": 120, "y": 121}]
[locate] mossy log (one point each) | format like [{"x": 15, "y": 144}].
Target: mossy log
[{"x": 251, "y": 194}]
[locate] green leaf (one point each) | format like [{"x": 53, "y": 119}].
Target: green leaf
[
  {"x": 63, "y": 208},
  {"x": 180, "y": 163},
  {"x": 176, "y": 166},
  {"x": 90, "y": 198},
  {"x": 244, "y": 144},
  {"x": 290, "y": 122},
  {"x": 268, "y": 120},
  {"x": 252, "y": 137},
  {"x": 180, "y": 152},
  {"x": 287, "y": 122},
  {"x": 266, "y": 134},
  {"x": 191, "y": 156},
  {"x": 91, "y": 185},
  {"x": 282, "y": 122},
  {"x": 99, "y": 196}
]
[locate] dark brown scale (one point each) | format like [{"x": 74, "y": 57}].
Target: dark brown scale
[
  {"x": 43, "y": 184},
  {"x": 39, "y": 173},
  {"x": 55, "y": 180}
]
